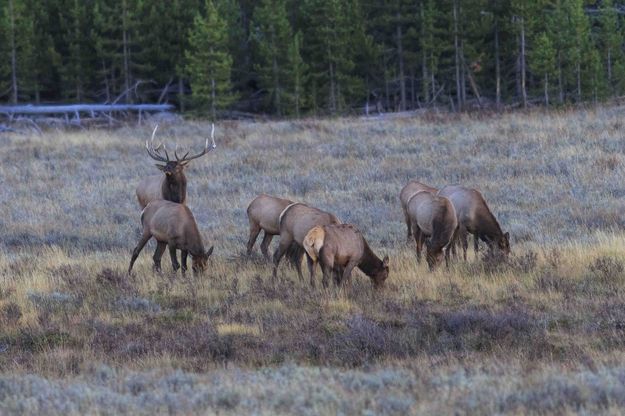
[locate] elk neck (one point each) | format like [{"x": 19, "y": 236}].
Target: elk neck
[
  {"x": 370, "y": 263},
  {"x": 175, "y": 188},
  {"x": 195, "y": 246},
  {"x": 491, "y": 230}
]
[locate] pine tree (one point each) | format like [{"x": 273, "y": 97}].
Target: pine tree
[
  {"x": 296, "y": 76},
  {"x": 610, "y": 41},
  {"x": 272, "y": 36},
  {"x": 162, "y": 44},
  {"x": 19, "y": 29},
  {"x": 542, "y": 61},
  {"x": 334, "y": 28},
  {"x": 115, "y": 33},
  {"x": 209, "y": 63},
  {"x": 75, "y": 21}
]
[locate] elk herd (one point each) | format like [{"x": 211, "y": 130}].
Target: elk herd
[{"x": 441, "y": 219}]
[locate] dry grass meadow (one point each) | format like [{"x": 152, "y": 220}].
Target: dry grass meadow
[{"x": 542, "y": 333}]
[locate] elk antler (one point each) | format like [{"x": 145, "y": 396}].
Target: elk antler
[
  {"x": 155, "y": 152},
  {"x": 206, "y": 149}
]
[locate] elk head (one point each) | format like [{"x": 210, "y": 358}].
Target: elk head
[
  {"x": 174, "y": 169},
  {"x": 503, "y": 243},
  {"x": 201, "y": 261},
  {"x": 380, "y": 276}
]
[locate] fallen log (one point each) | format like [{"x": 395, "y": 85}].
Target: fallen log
[{"x": 91, "y": 109}]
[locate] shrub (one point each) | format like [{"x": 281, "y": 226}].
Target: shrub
[{"x": 607, "y": 269}]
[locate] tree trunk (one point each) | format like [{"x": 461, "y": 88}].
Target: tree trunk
[
  {"x": 213, "y": 99},
  {"x": 181, "y": 94},
  {"x": 523, "y": 87},
  {"x": 579, "y": 82},
  {"x": 457, "y": 56},
  {"x": 126, "y": 50},
  {"x": 276, "y": 87},
  {"x": 400, "y": 53},
  {"x": 497, "y": 69},
  {"x": 332, "y": 96},
  {"x": 610, "y": 67},
  {"x": 424, "y": 61},
  {"x": 413, "y": 89},
  {"x": 547, "y": 90},
  {"x": 560, "y": 86},
  {"x": 276, "y": 77},
  {"x": 14, "y": 94}
]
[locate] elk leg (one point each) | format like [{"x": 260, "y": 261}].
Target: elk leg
[
  {"x": 311, "y": 269},
  {"x": 285, "y": 242},
  {"x": 476, "y": 243},
  {"x": 183, "y": 260},
  {"x": 418, "y": 237},
  {"x": 327, "y": 272},
  {"x": 174, "y": 258},
  {"x": 408, "y": 226},
  {"x": 254, "y": 231},
  {"x": 264, "y": 245},
  {"x": 347, "y": 272},
  {"x": 158, "y": 254},
  {"x": 327, "y": 267},
  {"x": 464, "y": 243},
  {"x": 135, "y": 253}
]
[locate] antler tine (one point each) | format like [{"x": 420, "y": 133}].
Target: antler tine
[
  {"x": 154, "y": 152},
  {"x": 206, "y": 147},
  {"x": 165, "y": 150},
  {"x": 212, "y": 136}
]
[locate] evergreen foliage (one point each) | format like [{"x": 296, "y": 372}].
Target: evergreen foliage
[{"x": 292, "y": 58}]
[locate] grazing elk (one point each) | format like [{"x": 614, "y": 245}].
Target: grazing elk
[
  {"x": 475, "y": 217},
  {"x": 406, "y": 193},
  {"x": 340, "y": 248},
  {"x": 172, "y": 225},
  {"x": 264, "y": 215},
  {"x": 434, "y": 217},
  {"x": 172, "y": 186},
  {"x": 295, "y": 222}
]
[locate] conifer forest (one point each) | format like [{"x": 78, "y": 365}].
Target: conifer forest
[{"x": 312, "y": 57}]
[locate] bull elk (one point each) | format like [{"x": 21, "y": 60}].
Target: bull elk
[
  {"x": 408, "y": 192},
  {"x": 172, "y": 225},
  {"x": 433, "y": 221},
  {"x": 340, "y": 248},
  {"x": 475, "y": 217},
  {"x": 172, "y": 186},
  {"x": 295, "y": 222},
  {"x": 264, "y": 215}
]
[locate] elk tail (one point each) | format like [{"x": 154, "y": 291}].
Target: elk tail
[{"x": 313, "y": 242}]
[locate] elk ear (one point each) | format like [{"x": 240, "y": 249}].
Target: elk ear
[
  {"x": 385, "y": 261},
  {"x": 160, "y": 167},
  {"x": 507, "y": 236},
  {"x": 209, "y": 252}
]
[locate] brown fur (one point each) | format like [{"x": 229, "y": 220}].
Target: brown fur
[
  {"x": 295, "y": 222},
  {"x": 314, "y": 241},
  {"x": 264, "y": 215},
  {"x": 340, "y": 248},
  {"x": 172, "y": 225},
  {"x": 434, "y": 217},
  {"x": 408, "y": 192},
  {"x": 172, "y": 186},
  {"x": 475, "y": 217}
]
